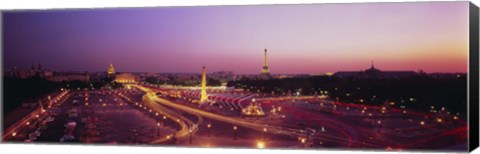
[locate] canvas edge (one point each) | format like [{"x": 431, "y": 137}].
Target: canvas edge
[{"x": 473, "y": 75}]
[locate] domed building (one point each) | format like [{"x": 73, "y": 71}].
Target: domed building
[
  {"x": 373, "y": 72},
  {"x": 111, "y": 70}
]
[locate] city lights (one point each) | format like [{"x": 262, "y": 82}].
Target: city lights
[{"x": 319, "y": 90}]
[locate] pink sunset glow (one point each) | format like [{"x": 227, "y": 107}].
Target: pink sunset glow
[{"x": 432, "y": 36}]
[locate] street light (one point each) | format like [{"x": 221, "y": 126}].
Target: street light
[
  {"x": 168, "y": 137},
  {"x": 379, "y": 125},
  {"x": 190, "y": 132},
  {"x": 422, "y": 123},
  {"x": 303, "y": 140},
  {"x": 178, "y": 121},
  {"x": 383, "y": 113},
  {"x": 439, "y": 122},
  {"x": 164, "y": 120},
  {"x": 235, "y": 132},
  {"x": 208, "y": 126},
  {"x": 158, "y": 129},
  {"x": 265, "y": 134},
  {"x": 455, "y": 120}
]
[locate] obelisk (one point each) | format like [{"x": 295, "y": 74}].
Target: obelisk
[{"x": 203, "y": 93}]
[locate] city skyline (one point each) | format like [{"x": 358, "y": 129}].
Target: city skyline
[
  {"x": 309, "y": 39},
  {"x": 370, "y": 76}
]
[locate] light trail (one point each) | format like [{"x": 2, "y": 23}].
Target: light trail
[
  {"x": 186, "y": 124},
  {"x": 14, "y": 128},
  {"x": 237, "y": 121}
]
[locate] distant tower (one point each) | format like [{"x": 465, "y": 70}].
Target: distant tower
[
  {"x": 373, "y": 66},
  {"x": 265, "y": 69},
  {"x": 111, "y": 70},
  {"x": 203, "y": 93}
]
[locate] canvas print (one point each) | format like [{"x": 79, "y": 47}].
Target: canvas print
[{"x": 380, "y": 76}]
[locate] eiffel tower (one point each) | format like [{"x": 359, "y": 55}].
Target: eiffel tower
[{"x": 265, "y": 69}]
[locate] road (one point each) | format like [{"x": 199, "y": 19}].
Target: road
[
  {"x": 259, "y": 126},
  {"x": 38, "y": 113},
  {"x": 349, "y": 125},
  {"x": 336, "y": 124}
]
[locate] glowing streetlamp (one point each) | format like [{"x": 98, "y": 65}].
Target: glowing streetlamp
[
  {"x": 164, "y": 120},
  {"x": 383, "y": 114},
  {"x": 439, "y": 122},
  {"x": 235, "y": 132},
  {"x": 422, "y": 124},
  {"x": 379, "y": 125},
  {"x": 209, "y": 126},
  {"x": 265, "y": 134},
  {"x": 190, "y": 133},
  {"x": 158, "y": 129},
  {"x": 303, "y": 140},
  {"x": 168, "y": 137},
  {"x": 455, "y": 120},
  {"x": 179, "y": 126}
]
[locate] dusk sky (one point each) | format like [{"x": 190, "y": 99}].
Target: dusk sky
[{"x": 432, "y": 36}]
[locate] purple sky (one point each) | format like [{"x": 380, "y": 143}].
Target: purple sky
[{"x": 432, "y": 36}]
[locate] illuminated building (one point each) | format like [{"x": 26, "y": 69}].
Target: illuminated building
[
  {"x": 253, "y": 110},
  {"x": 111, "y": 70},
  {"x": 35, "y": 71},
  {"x": 265, "y": 69},
  {"x": 125, "y": 78},
  {"x": 203, "y": 93}
]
